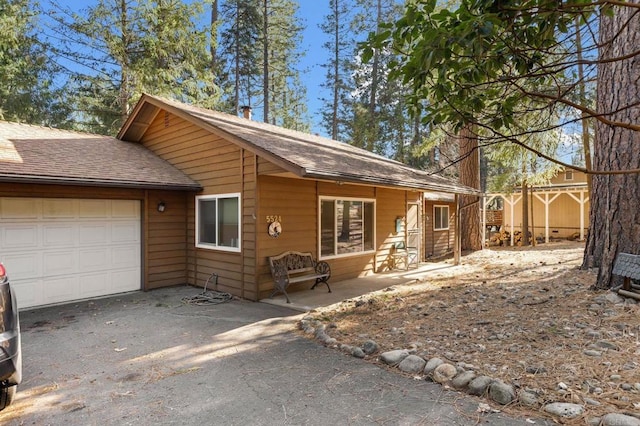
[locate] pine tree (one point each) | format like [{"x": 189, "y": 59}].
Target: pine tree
[
  {"x": 340, "y": 43},
  {"x": 284, "y": 97},
  {"x": 121, "y": 48},
  {"x": 28, "y": 92},
  {"x": 239, "y": 53}
]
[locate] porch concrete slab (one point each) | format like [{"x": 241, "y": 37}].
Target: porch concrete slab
[
  {"x": 308, "y": 300},
  {"x": 151, "y": 359}
]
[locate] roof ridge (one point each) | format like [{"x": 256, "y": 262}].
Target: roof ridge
[
  {"x": 277, "y": 130},
  {"x": 54, "y": 129}
]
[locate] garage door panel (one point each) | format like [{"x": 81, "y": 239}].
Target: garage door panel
[
  {"x": 56, "y": 290},
  {"x": 23, "y": 265},
  {"x": 94, "y": 209},
  {"x": 59, "y": 250},
  {"x": 58, "y": 209},
  {"x": 94, "y": 285},
  {"x": 19, "y": 208},
  {"x": 125, "y": 210},
  {"x": 92, "y": 234},
  {"x": 58, "y": 235},
  {"x": 125, "y": 232},
  {"x": 97, "y": 259},
  {"x": 124, "y": 279},
  {"x": 27, "y": 291},
  {"x": 59, "y": 263},
  {"x": 125, "y": 256},
  {"x": 18, "y": 236}
]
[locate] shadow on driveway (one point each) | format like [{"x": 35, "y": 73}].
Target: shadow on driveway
[{"x": 149, "y": 359}]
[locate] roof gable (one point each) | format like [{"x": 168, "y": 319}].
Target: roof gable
[
  {"x": 36, "y": 154},
  {"x": 305, "y": 155}
]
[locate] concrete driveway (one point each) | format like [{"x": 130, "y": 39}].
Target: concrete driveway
[{"x": 149, "y": 359}]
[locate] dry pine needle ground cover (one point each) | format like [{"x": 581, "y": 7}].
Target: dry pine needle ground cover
[{"x": 525, "y": 315}]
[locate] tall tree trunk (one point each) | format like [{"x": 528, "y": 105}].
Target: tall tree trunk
[
  {"x": 124, "y": 76},
  {"x": 214, "y": 32},
  {"x": 336, "y": 71},
  {"x": 615, "y": 213},
  {"x": 525, "y": 203},
  {"x": 265, "y": 65},
  {"x": 470, "y": 176},
  {"x": 375, "y": 71},
  {"x": 586, "y": 143}
]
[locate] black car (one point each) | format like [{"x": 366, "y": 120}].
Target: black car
[{"x": 10, "y": 350}]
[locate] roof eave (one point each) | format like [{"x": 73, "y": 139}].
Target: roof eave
[
  {"x": 52, "y": 180},
  {"x": 344, "y": 177}
]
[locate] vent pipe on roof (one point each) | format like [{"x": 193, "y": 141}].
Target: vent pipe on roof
[{"x": 246, "y": 112}]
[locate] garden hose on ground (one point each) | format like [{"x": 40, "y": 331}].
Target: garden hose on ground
[{"x": 211, "y": 297}]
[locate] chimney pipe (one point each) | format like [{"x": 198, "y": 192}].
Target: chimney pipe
[{"x": 246, "y": 112}]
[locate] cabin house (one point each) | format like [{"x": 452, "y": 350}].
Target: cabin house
[
  {"x": 559, "y": 209},
  {"x": 183, "y": 192}
]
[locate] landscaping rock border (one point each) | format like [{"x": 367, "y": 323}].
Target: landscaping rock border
[{"x": 462, "y": 377}]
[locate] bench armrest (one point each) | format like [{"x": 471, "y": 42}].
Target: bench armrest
[{"x": 323, "y": 268}]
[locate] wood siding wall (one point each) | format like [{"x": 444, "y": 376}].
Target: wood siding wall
[
  {"x": 438, "y": 243},
  {"x": 165, "y": 239},
  {"x": 222, "y": 167},
  {"x": 164, "y": 243},
  {"x": 295, "y": 201},
  {"x": 219, "y": 166}
]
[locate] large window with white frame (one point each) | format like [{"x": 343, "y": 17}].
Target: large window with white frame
[
  {"x": 347, "y": 226},
  {"x": 218, "y": 222},
  {"x": 440, "y": 218}
]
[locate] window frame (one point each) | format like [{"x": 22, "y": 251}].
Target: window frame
[
  {"x": 435, "y": 225},
  {"x": 335, "y": 254},
  {"x": 216, "y": 246},
  {"x": 568, "y": 175}
]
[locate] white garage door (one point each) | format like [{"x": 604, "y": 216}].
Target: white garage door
[{"x": 58, "y": 250}]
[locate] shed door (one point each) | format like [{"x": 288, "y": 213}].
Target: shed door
[{"x": 59, "y": 250}]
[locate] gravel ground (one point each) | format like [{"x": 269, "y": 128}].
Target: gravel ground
[{"x": 524, "y": 315}]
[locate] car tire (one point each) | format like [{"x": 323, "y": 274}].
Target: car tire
[{"x": 6, "y": 396}]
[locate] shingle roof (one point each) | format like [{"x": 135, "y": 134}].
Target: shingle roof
[
  {"x": 43, "y": 155},
  {"x": 303, "y": 154}
]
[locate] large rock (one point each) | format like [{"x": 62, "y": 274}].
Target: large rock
[
  {"x": 617, "y": 419},
  {"x": 431, "y": 365},
  {"x": 463, "y": 379},
  {"x": 444, "y": 373},
  {"x": 564, "y": 409},
  {"x": 501, "y": 392},
  {"x": 479, "y": 385},
  {"x": 412, "y": 364},
  {"x": 370, "y": 347},
  {"x": 394, "y": 357}
]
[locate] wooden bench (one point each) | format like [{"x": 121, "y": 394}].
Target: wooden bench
[
  {"x": 628, "y": 266},
  {"x": 294, "y": 267}
]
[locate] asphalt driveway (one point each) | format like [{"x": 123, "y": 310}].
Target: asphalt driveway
[{"x": 150, "y": 359}]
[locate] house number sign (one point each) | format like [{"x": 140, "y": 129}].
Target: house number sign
[{"x": 274, "y": 228}]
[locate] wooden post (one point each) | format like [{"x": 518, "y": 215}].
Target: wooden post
[{"x": 457, "y": 249}]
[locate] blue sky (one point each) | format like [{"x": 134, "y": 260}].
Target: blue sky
[{"x": 311, "y": 13}]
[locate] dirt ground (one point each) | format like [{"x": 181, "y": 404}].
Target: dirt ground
[{"x": 525, "y": 315}]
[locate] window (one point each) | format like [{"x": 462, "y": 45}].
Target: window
[
  {"x": 568, "y": 175},
  {"x": 346, "y": 226},
  {"x": 218, "y": 222},
  {"x": 440, "y": 218}
]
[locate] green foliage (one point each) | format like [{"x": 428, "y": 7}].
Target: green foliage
[
  {"x": 475, "y": 63},
  {"x": 240, "y": 74},
  {"x": 27, "y": 90},
  {"x": 121, "y": 49}
]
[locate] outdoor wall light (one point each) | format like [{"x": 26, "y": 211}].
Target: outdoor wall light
[{"x": 161, "y": 206}]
